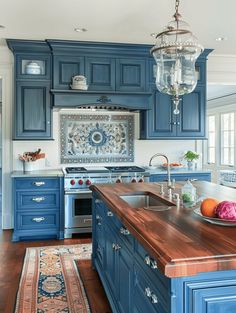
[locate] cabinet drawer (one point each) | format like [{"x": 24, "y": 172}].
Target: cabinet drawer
[
  {"x": 119, "y": 228},
  {"x": 37, "y": 183},
  {"x": 149, "y": 265},
  {"x": 35, "y": 200},
  {"x": 152, "y": 295},
  {"x": 43, "y": 219}
]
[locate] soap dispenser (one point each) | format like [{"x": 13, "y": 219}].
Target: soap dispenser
[{"x": 188, "y": 193}]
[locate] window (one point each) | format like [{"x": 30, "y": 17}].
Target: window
[
  {"x": 211, "y": 147},
  {"x": 227, "y": 139}
]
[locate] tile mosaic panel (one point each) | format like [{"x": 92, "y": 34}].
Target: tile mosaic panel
[{"x": 90, "y": 138}]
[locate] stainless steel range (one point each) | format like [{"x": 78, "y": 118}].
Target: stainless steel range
[{"x": 78, "y": 196}]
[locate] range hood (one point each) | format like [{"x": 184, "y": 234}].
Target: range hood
[{"x": 104, "y": 100}]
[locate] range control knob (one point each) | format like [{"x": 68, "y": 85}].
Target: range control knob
[
  {"x": 133, "y": 180},
  {"x": 80, "y": 182},
  {"x": 88, "y": 182},
  {"x": 141, "y": 180},
  {"x": 118, "y": 180},
  {"x": 72, "y": 182}
]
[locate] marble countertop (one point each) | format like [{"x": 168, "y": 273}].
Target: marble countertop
[{"x": 38, "y": 173}]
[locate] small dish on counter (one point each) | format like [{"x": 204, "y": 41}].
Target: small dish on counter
[
  {"x": 215, "y": 220},
  {"x": 173, "y": 166}
]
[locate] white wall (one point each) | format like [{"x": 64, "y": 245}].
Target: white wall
[{"x": 144, "y": 149}]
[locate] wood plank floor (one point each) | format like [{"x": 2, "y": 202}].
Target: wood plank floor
[{"x": 11, "y": 261}]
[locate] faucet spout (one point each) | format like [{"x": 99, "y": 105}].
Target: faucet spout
[{"x": 168, "y": 167}]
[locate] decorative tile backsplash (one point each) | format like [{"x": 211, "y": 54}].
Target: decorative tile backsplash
[{"x": 90, "y": 138}]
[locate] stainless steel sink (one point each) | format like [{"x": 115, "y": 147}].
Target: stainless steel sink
[{"x": 147, "y": 201}]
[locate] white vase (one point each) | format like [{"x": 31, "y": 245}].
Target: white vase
[{"x": 28, "y": 166}]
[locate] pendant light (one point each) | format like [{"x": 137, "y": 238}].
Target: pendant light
[{"x": 175, "y": 53}]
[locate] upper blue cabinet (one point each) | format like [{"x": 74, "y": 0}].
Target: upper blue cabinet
[
  {"x": 32, "y": 111},
  {"x": 107, "y": 67},
  {"x": 160, "y": 123}
]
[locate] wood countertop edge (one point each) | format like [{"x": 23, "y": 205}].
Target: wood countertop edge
[{"x": 168, "y": 267}]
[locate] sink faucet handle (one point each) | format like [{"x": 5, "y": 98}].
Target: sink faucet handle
[
  {"x": 161, "y": 189},
  {"x": 176, "y": 197},
  {"x": 173, "y": 183}
]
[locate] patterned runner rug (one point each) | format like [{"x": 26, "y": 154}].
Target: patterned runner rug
[{"x": 50, "y": 281}]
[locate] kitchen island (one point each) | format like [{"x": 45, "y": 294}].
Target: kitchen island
[{"x": 169, "y": 261}]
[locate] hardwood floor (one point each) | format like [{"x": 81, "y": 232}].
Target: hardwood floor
[{"x": 11, "y": 261}]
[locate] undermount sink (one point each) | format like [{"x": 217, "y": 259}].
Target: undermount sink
[{"x": 147, "y": 201}]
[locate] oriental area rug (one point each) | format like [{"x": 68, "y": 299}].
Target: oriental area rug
[{"x": 50, "y": 281}]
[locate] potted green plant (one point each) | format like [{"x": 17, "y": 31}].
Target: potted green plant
[{"x": 191, "y": 157}]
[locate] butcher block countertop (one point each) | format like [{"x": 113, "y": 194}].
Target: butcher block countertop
[{"x": 182, "y": 243}]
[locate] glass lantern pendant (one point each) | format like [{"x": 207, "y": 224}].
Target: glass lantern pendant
[{"x": 175, "y": 53}]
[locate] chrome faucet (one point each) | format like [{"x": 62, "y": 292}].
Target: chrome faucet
[{"x": 169, "y": 186}]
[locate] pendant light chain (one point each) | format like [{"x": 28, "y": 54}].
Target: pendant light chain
[{"x": 177, "y": 14}]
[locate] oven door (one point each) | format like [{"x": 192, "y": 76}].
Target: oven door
[{"x": 78, "y": 209}]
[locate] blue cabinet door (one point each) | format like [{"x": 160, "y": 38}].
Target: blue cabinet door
[
  {"x": 131, "y": 75},
  {"x": 214, "y": 300},
  {"x": 100, "y": 73},
  {"x": 33, "y": 110},
  {"x": 191, "y": 120},
  {"x": 161, "y": 121},
  {"x": 64, "y": 68},
  {"x": 110, "y": 259},
  {"x": 124, "y": 278}
]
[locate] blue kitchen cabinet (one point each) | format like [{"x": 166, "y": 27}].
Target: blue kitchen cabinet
[
  {"x": 64, "y": 68},
  {"x": 100, "y": 73},
  {"x": 133, "y": 282},
  {"x": 32, "y": 111},
  {"x": 161, "y": 123},
  {"x": 38, "y": 208},
  {"x": 131, "y": 75},
  {"x": 181, "y": 176}
]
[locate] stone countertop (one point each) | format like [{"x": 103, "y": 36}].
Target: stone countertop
[
  {"x": 184, "y": 170},
  {"x": 38, "y": 173},
  {"x": 182, "y": 242}
]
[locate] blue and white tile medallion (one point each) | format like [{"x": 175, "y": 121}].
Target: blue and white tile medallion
[{"x": 90, "y": 138}]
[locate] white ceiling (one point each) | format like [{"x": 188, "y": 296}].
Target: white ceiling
[{"x": 117, "y": 20}]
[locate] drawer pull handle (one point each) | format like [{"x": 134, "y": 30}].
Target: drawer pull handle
[
  {"x": 148, "y": 292},
  {"x": 124, "y": 231},
  {"x": 154, "y": 299},
  {"x": 150, "y": 262},
  {"x": 151, "y": 295},
  {"x": 39, "y": 183},
  {"x": 109, "y": 213},
  {"x": 38, "y": 219},
  {"x": 116, "y": 247},
  {"x": 38, "y": 199}
]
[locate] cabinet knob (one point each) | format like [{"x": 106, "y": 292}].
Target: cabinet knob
[
  {"x": 39, "y": 183},
  {"x": 109, "y": 213},
  {"x": 38, "y": 219},
  {"x": 98, "y": 201},
  {"x": 98, "y": 219},
  {"x": 38, "y": 199}
]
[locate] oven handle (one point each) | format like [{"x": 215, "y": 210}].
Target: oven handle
[{"x": 78, "y": 192}]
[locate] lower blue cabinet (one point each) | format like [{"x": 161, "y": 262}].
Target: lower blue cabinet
[
  {"x": 134, "y": 284},
  {"x": 38, "y": 208},
  {"x": 181, "y": 177}
]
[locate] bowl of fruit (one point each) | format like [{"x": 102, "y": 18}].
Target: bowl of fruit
[{"x": 217, "y": 212}]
